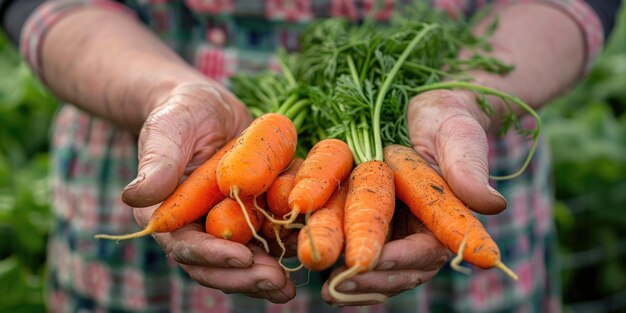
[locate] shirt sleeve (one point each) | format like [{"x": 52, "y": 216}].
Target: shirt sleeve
[
  {"x": 595, "y": 18},
  {"x": 40, "y": 20},
  {"x": 13, "y": 14},
  {"x": 607, "y": 11}
]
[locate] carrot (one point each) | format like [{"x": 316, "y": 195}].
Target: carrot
[
  {"x": 369, "y": 209},
  {"x": 259, "y": 155},
  {"x": 327, "y": 164},
  {"x": 431, "y": 200},
  {"x": 274, "y": 231},
  {"x": 278, "y": 193},
  {"x": 192, "y": 199},
  {"x": 227, "y": 221},
  {"x": 326, "y": 225}
]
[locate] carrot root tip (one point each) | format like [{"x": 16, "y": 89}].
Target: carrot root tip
[
  {"x": 506, "y": 270},
  {"x": 456, "y": 261},
  {"x": 141, "y": 233},
  {"x": 352, "y": 298}
]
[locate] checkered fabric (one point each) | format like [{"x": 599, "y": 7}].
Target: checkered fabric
[{"x": 93, "y": 160}]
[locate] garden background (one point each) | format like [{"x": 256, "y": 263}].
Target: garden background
[{"x": 586, "y": 130}]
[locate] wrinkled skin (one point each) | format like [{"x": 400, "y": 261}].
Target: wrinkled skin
[{"x": 192, "y": 122}]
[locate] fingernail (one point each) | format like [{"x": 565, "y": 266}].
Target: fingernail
[
  {"x": 265, "y": 285},
  {"x": 495, "y": 193},
  {"x": 140, "y": 178},
  {"x": 387, "y": 265},
  {"x": 442, "y": 261},
  {"x": 348, "y": 285},
  {"x": 235, "y": 263}
]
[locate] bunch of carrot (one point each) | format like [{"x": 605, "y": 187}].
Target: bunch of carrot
[{"x": 329, "y": 145}]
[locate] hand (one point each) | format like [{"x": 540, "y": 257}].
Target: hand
[
  {"x": 412, "y": 257},
  {"x": 184, "y": 129},
  {"x": 222, "y": 264},
  {"x": 448, "y": 129},
  {"x": 189, "y": 124}
]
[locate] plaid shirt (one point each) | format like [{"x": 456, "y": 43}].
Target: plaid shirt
[{"x": 92, "y": 161}]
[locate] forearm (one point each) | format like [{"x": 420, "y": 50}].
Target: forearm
[
  {"x": 546, "y": 47},
  {"x": 107, "y": 63}
]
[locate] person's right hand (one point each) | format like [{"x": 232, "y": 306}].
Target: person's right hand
[
  {"x": 221, "y": 264},
  {"x": 183, "y": 130}
]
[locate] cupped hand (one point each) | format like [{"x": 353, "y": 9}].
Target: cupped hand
[
  {"x": 412, "y": 257},
  {"x": 183, "y": 130},
  {"x": 448, "y": 129}
]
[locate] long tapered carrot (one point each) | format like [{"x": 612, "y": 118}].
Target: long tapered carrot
[
  {"x": 192, "y": 199},
  {"x": 370, "y": 204},
  {"x": 431, "y": 200},
  {"x": 326, "y": 226},
  {"x": 327, "y": 164},
  {"x": 227, "y": 221},
  {"x": 259, "y": 155},
  {"x": 278, "y": 194}
]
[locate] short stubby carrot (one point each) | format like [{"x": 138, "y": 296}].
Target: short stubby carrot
[
  {"x": 431, "y": 200},
  {"x": 326, "y": 226},
  {"x": 259, "y": 155},
  {"x": 271, "y": 230},
  {"x": 278, "y": 193},
  {"x": 226, "y": 220},
  {"x": 327, "y": 164},
  {"x": 191, "y": 200},
  {"x": 370, "y": 205}
]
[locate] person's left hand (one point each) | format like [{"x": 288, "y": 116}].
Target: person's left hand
[{"x": 412, "y": 257}]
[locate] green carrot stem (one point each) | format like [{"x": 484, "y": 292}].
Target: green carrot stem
[
  {"x": 378, "y": 143},
  {"x": 365, "y": 131},
  {"x": 354, "y": 134},
  {"x": 299, "y": 119},
  {"x": 296, "y": 108},
  {"x": 256, "y": 112},
  {"x": 287, "y": 72},
  {"x": 283, "y": 107}
]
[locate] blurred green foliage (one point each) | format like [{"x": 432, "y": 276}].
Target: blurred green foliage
[
  {"x": 25, "y": 113},
  {"x": 586, "y": 130},
  {"x": 587, "y": 134}
]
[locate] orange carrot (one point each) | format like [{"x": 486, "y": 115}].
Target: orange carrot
[
  {"x": 431, "y": 200},
  {"x": 192, "y": 199},
  {"x": 259, "y": 155},
  {"x": 326, "y": 225},
  {"x": 369, "y": 209},
  {"x": 227, "y": 220},
  {"x": 270, "y": 230},
  {"x": 278, "y": 193},
  {"x": 327, "y": 164}
]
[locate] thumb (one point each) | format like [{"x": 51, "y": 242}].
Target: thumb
[
  {"x": 457, "y": 143},
  {"x": 163, "y": 156}
]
